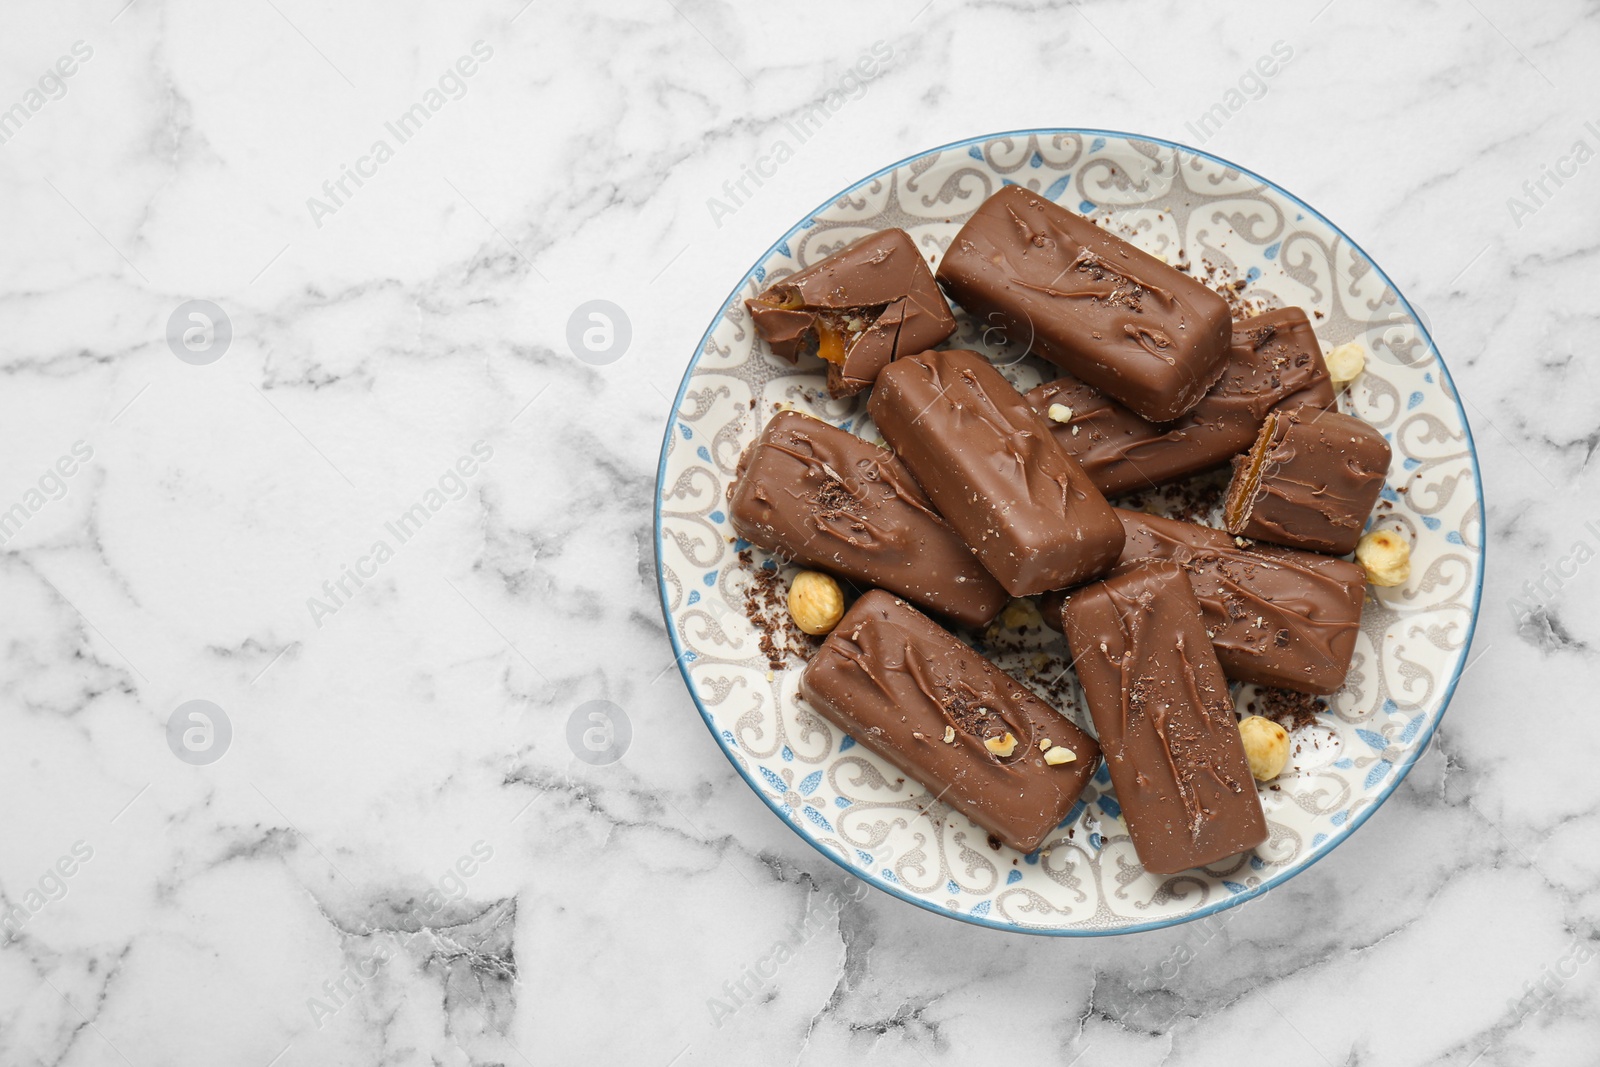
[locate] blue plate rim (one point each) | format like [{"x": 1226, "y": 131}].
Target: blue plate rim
[{"x": 1233, "y": 899}]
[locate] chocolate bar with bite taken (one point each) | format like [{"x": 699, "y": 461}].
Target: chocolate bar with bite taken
[{"x": 867, "y": 304}]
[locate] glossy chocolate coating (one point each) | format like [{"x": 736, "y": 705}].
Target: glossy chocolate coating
[
  {"x": 1134, "y": 328},
  {"x": 876, "y": 298},
  {"x": 892, "y": 679},
  {"x": 1164, "y": 718},
  {"x": 1276, "y": 616},
  {"x": 1311, "y": 481},
  {"x": 1274, "y": 362},
  {"x": 994, "y": 471},
  {"x": 825, "y": 498}
]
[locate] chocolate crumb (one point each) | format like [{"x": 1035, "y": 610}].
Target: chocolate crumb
[
  {"x": 766, "y": 605},
  {"x": 1289, "y": 709}
]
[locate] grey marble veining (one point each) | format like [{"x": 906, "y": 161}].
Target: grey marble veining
[{"x": 399, "y": 858}]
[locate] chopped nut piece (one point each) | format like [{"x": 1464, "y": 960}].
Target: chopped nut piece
[
  {"x": 1266, "y": 746},
  {"x": 1059, "y": 755},
  {"x": 1345, "y": 363},
  {"x": 1020, "y": 613},
  {"x": 1060, "y": 413},
  {"x": 949, "y": 735},
  {"x": 1386, "y": 557},
  {"x": 1001, "y": 746},
  {"x": 816, "y": 602},
  {"x": 1044, "y": 744}
]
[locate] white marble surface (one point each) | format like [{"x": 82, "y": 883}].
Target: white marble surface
[{"x": 299, "y": 901}]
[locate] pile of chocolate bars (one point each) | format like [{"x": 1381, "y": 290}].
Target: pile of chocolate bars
[{"x": 983, "y": 494}]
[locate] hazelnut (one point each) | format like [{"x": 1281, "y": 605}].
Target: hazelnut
[
  {"x": 1058, "y": 754},
  {"x": 816, "y": 602},
  {"x": 1345, "y": 363},
  {"x": 1266, "y": 746},
  {"x": 1044, "y": 744},
  {"x": 1060, "y": 413},
  {"x": 949, "y": 735},
  {"x": 1386, "y": 557},
  {"x": 1001, "y": 746}
]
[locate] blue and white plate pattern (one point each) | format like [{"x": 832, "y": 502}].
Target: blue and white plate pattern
[{"x": 858, "y": 810}]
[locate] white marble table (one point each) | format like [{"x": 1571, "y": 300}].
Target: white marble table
[{"x": 399, "y": 535}]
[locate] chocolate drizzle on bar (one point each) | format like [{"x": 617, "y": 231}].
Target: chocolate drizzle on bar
[
  {"x": 1121, "y": 320},
  {"x": 993, "y": 470},
  {"x": 823, "y": 497},
  {"x": 1274, "y": 362},
  {"x": 895, "y": 681},
  {"x": 974, "y": 719},
  {"x": 1164, "y": 717},
  {"x": 1276, "y": 616}
]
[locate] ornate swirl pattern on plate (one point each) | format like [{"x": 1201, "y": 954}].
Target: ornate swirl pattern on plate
[{"x": 859, "y": 810}]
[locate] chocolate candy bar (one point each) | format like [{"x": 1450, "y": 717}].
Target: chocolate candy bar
[
  {"x": 858, "y": 309},
  {"x": 1274, "y": 363},
  {"x": 825, "y": 498},
  {"x": 1276, "y": 616},
  {"x": 1310, "y": 481},
  {"x": 1132, "y": 327},
  {"x": 994, "y": 471},
  {"x": 947, "y": 717},
  {"x": 1164, "y": 718}
]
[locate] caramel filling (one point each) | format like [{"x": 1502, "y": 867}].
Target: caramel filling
[
  {"x": 831, "y": 344},
  {"x": 838, "y": 331},
  {"x": 834, "y": 330},
  {"x": 1246, "y": 481}
]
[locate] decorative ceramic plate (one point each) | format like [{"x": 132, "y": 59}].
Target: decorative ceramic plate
[{"x": 722, "y": 597}]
